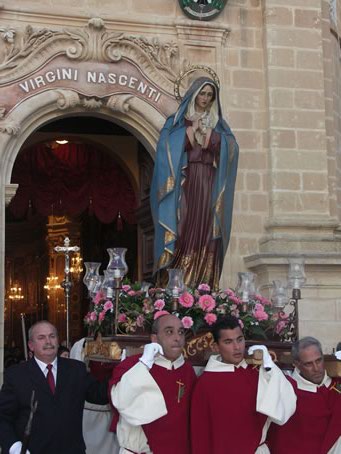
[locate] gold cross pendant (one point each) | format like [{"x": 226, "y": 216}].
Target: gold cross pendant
[{"x": 181, "y": 390}]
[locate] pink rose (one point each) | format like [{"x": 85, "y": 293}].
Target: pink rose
[
  {"x": 186, "y": 299},
  {"x": 140, "y": 321},
  {"x": 259, "y": 312},
  {"x": 126, "y": 288},
  {"x": 207, "y": 303},
  {"x": 204, "y": 287},
  {"x": 241, "y": 324},
  {"x": 101, "y": 316},
  {"x": 187, "y": 322},
  {"x": 93, "y": 316},
  {"x": 210, "y": 319},
  {"x": 264, "y": 301},
  {"x": 280, "y": 326},
  {"x": 160, "y": 313},
  {"x": 235, "y": 299},
  {"x": 131, "y": 293},
  {"x": 122, "y": 318},
  {"x": 108, "y": 305},
  {"x": 99, "y": 296},
  {"x": 230, "y": 292},
  {"x": 159, "y": 304}
]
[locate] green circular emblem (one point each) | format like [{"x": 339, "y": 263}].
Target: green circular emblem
[{"x": 202, "y": 9}]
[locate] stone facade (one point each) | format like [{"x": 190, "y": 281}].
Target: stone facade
[{"x": 279, "y": 68}]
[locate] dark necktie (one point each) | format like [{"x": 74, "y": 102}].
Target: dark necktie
[{"x": 50, "y": 378}]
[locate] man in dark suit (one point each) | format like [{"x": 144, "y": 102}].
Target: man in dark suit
[{"x": 60, "y": 391}]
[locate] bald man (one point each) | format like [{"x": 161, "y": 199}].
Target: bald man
[{"x": 151, "y": 394}]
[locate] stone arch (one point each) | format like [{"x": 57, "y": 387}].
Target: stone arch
[{"x": 130, "y": 112}]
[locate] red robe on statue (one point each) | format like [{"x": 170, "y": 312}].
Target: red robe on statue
[
  {"x": 316, "y": 424},
  {"x": 170, "y": 383}
]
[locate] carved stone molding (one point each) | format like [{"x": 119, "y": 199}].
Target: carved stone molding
[
  {"x": 9, "y": 127},
  {"x": 67, "y": 99},
  {"x": 27, "y": 51},
  {"x": 91, "y": 103},
  {"x": 120, "y": 103}
]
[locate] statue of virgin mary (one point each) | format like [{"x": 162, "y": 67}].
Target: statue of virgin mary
[{"x": 193, "y": 188}]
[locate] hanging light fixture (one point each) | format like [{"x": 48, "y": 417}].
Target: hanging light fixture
[
  {"x": 51, "y": 284},
  {"x": 62, "y": 142},
  {"x": 76, "y": 268}
]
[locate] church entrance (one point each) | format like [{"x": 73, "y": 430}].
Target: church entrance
[{"x": 86, "y": 178}]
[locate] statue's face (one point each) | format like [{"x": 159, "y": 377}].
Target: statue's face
[{"x": 204, "y": 98}]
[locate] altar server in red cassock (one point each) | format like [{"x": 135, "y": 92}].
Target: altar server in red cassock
[
  {"x": 315, "y": 428},
  {"x": 152, "y": 394},
  {"x": 234, "y": 403}
]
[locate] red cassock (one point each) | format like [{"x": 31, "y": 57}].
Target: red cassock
[
  {"x": 224, "y": 417},
  {"x": 316, "y": 424},
  {"x": 168, "y": 434}
]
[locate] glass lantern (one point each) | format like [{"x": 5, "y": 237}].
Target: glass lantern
[
  {"x": 296, "y": 275},
  {"x": 117, "y": 261},
  {"x": 175, "y": 284},
  {"x": 98, "y": 284},
  {"x": 279, "y": 295},
  {"x": 109, "y": 283},
  {"x": 246, "y": 287},
  {"x": 91, "y": 275}
]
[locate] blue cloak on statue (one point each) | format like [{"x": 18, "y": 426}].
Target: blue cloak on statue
[{"x": 168, "y": 179}]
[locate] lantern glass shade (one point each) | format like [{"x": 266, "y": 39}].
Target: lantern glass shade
[
  {"x": 91, "y": 275},
  {"x": 176, "y": 284},
  {"x": 117, "y": 261},
  {"x": 279, "y": 295},
  {"x": 296, "y": 274},
  {"x": 246, "y": 287}
]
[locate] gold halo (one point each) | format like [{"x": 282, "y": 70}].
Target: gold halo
[{"x": 184, "y": 74}]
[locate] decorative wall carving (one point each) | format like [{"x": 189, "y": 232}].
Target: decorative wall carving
[
  {"x": 67, "y": 99},
  {"x": 10, "y": 128},
  {"x": 120, "y": 103},
  {"x": 27, "y": 51}
]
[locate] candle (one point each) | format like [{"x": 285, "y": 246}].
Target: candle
[
  {"x": 175, "y": 292},
  {"x": 110, "y": 292},
  {"x": 117, "y": 273},
  {"x": 245, "y": 297}
]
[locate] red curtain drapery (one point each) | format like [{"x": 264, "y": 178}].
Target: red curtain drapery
[{"x": 70, "y": 179}]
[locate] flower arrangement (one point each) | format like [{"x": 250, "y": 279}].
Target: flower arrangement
[{"x": 197, "y": 308}]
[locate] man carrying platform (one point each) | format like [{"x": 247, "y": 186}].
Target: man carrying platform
[
  {"x": 234, "y": 403},
  {"x": 315, "y": 428},
  {"x": 152, "y": 394}
]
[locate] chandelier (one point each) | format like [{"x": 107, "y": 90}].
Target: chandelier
[
  {"x": 76, "y": 268},
  {"x": 16, "y": 294},
  {"x": 51, "y": 284}
]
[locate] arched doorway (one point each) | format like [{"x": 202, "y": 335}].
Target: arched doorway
[{"x": 44, "y": 211}]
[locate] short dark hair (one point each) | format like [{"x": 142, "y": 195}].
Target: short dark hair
[
  {"x": 228, "y": 322},
  {"x": 302, "y": 344},
  {"x": 156, "y": 322},
  {"x": 338, "y": 347}
]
